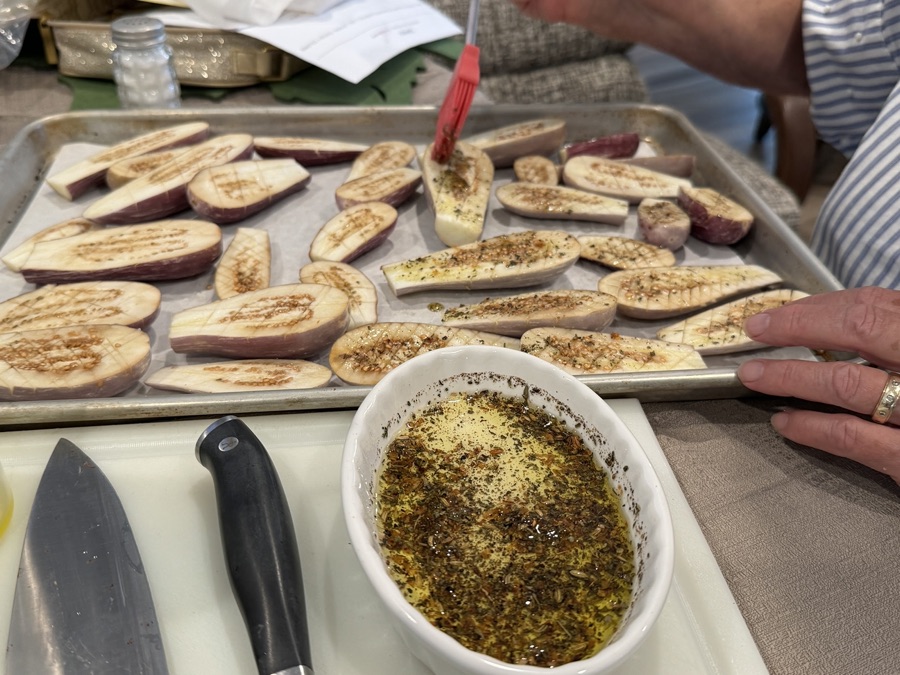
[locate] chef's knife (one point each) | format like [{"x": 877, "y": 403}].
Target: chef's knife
[
  {"x": 82, "y": 603},
  {"x": 260, "y": 546}
]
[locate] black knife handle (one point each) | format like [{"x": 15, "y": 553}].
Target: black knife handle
[{"x": 260, "y": 545}]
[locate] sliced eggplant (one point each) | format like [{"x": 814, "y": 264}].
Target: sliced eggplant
[
  {"x": 232, "y": 376},
  {"x": 125, "y": 303},
  {"x": 613, "y": 146},
  {"x": 534, "y": 137},
  {"x": 363, "y": 306},
  {"x": 292, "y": 321},
  {"x": 169, "y": 249},
  {"x": 581, "y": 352},
  {"x": 130, "y": 168},
  {"x": 353, "y": 232},
  {"x": 164, "y": 191},
  {"x": 235, "y": 191},
  {"x": 458, "y": 193},
  {"x": 561, "y": 203},
  {"x": 681, "y": 166},
  {"x": 720, "y": 330},
  {"x": 366, "y": 354},
  {"x": 536, "y": 169},
  {"x": 75, "y": 180},
  {"x": 624, "y": 181},
  {"x": 663, "y": 223},
  {"x": 71, "y": 362},
  {"x": 513, "y": 315},
  {"x": 624, "y": 253},
  {"x": 393, "y": 187},
  {"x": 513, "y": 260},
  {"x": 246, "y": 264},
  {"x": 307, "y": 151},
  {"x": 68, "y": 228},
  {"x": 383, "y": 156},
  {"x": 665, "y": 292},
  {"x": 715, "y": 218}
]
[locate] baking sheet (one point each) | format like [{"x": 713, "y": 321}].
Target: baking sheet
[
  {"x": 170, "y": 502},
  {"x": 293, "y": 222}
]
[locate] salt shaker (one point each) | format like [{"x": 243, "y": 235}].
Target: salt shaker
[{"x": 142, "y": 64}]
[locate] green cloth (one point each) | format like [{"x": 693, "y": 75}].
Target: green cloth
[{"x": 391, "y": 84}]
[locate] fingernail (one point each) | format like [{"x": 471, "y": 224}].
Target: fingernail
[
  {"x": 756, "y": 324},
  {"x": 779, "y": 421},
  {"x": 750, "y": 371}
]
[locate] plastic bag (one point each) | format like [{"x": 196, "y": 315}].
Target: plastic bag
[{"x": 14, "y": 18}]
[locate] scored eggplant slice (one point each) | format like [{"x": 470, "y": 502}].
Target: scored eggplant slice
[
  {"x": 671, "y": 291},
  {"x": 246, "y": 264},
  {"x": 513, "y": 260},
  {"x": 125, "y": 303},
  {"x": 130, "y": 168},
  {"x": 580, "y": 352},
  {"x": 720, "y": 330},
  {"x": 291, "y": 321},
  {"x": 363, "y": 306},
  {"x": 354, "y": 231},
  {"x": 458, "y": 192},
  {"x": 307, "y": 151},
  {"x": 613, "y": 178},
  {"x": 561, "y": 203},
  {"x": 515, "y": 314},
  {"x": 534, "y": 137},
  {"x": 613, "y": 146},
  {"x": 168, "y": 249},
  {"x": 536, "y": 169},
  {"x": 383, "y": 156},
  {"x": 71, "y": 362},
  {"x": 715, "y": 218},
  {"x": 68, "y": 228},
  {"x": 624, "y": 253},
  {"x": 366, "y": 354},
  {"x": 235, "y": 191},
  {"x": 393, "y": 187},
  {"x": 163, "y": 192},
  {"x": 663, "y": 223},
  {"x": 75, "y": 180},
  {"x": 248, "y": 375}
]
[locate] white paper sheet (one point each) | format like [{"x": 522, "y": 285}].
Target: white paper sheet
[{"x": 350, "y": 40}]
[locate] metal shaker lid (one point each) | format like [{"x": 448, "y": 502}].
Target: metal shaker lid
[{"x": 138, "y": 31}]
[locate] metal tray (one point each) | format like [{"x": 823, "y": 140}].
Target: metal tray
[{"x": 27, "y": 159}]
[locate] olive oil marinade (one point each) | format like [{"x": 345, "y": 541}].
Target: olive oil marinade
[{"x": 498, "y": 526}]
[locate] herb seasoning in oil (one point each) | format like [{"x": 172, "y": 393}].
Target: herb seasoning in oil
[{"x": 498, "y": 526}]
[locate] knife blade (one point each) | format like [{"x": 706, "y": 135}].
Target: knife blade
[
  {"x": 260, "y": 546},
  {"x": 82, "y": 602}
]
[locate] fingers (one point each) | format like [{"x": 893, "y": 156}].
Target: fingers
[
  {"x": 849, "y": 386},
  {"x": 873, "y": 445},
  {"x": 865, "y": 321}
]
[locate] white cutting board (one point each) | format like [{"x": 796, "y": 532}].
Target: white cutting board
[{"x": 170, "y": 502}]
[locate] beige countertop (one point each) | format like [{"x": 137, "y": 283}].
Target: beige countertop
[{"x": 807, "y": 543}]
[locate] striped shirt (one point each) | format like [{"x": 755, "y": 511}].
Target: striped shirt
[{"x": 852, "y": 50}]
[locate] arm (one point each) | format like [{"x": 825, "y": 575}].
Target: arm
[
  {"x": 752, "y": 44},
  {"x": 865, "y": 321}
]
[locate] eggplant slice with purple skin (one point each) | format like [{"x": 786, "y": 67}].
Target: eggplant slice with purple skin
[
  {"x": 307, "y": 151},
  {"x": 394, "y": 187},
  {"x": 515, "y": 314},
  {"x": 613, "y": 178},
  {"x": 663, "y": 223},
  {"x": 132, "y": 168},
  {"x": 163, "y": 192},
  {"x": 353, "y": 232},
  {"x": 169, "y": 249},
  {"x": 68, "y": 228},
  {"x": 125, "y": 303},
  {"x": 515, "y": 260},
  {"x": 715, "y": 218},
  {"x": 624, "y": 253},
  {"x": 366, "y": 354},
  {"x": 558, "y": 202},
  {"x": 383, "y": 156},
  {"x": 534, "y": 137},
  {"x": 71, "y": 362},
  {"x": 77, "y": 179},
  {"x": 613, "y": 146},
  {"x": 246, "y": 375},
  {"x": 363, "y": 306},
  {"x": 291, "y": 321},
  {"x": 237, "y": 190},
  {"x": 246, "y": 264},
  {"x": 536, "y": 169}
]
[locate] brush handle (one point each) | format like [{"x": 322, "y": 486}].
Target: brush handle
[{"x": 472, "y": 23}]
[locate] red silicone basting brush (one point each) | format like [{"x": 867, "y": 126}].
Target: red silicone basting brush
[{"x": 459, "y": 96}]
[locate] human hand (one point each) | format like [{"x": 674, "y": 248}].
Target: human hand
[
  {"x": 598, "y": 15},
  {"x": 865, "y": 321}
]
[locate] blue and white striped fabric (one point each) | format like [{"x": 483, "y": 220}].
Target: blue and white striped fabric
[{"x": 852, "y": 50}]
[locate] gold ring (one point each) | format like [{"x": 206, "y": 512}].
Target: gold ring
[{"x": 890, "y": 396}]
